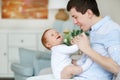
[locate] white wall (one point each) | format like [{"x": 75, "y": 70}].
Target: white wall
[
  {"x": 28, "y": 23},
  {"x": 110, "y": 7}
]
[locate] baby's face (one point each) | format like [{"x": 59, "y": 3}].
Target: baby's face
[{"x": 53, "y": 37}]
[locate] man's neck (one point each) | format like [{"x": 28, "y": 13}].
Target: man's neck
[{"x": 96, "y": 19}]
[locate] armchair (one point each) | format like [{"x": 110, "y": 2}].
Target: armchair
[{"x": 31, "y": 63}]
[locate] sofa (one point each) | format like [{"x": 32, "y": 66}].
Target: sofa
[{"x": 31, "y": 63}]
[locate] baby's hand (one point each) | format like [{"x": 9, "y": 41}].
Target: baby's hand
[
  {"x": 75, "y": 40},
  {"x": 72, "y": 42},
  {"x": 74, "y": 61}
]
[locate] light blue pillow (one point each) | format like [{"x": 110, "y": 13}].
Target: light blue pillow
[
  {"x": 27, "y": 56},
  {"x": 43, "y": 55}
]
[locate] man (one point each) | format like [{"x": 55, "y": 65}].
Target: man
[{"x": 104, "y": 34}]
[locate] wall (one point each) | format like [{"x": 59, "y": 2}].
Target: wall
[
  {"x": 28, "y": 23},
  {"x": 110, "y": 7},
  {"x": 107, "y": 7}
]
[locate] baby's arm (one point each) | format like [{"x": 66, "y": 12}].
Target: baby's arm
[
  {"x": 85, "y": 66},
  {"x": 67, "y": 49}
]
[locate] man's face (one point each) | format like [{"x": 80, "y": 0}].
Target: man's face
[{"x": 82, "y": 20}]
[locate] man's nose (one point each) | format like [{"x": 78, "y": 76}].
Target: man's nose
[{"x": 75, "y": 21}]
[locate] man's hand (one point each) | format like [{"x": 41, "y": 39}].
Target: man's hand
[{"x": 83, "y": 42}]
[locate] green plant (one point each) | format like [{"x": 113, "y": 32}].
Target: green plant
[{"x": 70, "y": 35}]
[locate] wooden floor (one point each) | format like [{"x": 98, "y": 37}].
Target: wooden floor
[{"x": 6, "y": 79}]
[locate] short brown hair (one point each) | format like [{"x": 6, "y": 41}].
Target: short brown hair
[
  {"x": 44, "y": 40},
  {"x": 83, "y": 5}
]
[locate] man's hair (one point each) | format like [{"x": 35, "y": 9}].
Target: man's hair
[
  {"x": 83, "y": 5},
  {"x": 44, "y": 40}
]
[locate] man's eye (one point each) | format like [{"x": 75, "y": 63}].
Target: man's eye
[
  {"x": 52, "y": 35},
  {"x": 75, "y": 17}
]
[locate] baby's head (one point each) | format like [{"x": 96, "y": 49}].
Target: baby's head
[{"x": 51, "y": 38}]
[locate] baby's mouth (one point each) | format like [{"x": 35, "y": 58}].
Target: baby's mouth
[{"x": 58, "y": 37}]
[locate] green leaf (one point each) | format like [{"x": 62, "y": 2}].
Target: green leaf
[{"x": 71, "y": 34}]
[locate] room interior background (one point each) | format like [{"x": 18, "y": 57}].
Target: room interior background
[
  {"x": 109, "y": 7},
  {"x": 28, "y": 32}
]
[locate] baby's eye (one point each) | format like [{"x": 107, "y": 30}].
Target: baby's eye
[{"x": 52, "y": 34}]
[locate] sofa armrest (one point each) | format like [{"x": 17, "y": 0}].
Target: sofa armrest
[
  {"x": 40, "y": 64},
  {"x": 22, "y": 69},
  {"x": 45, "y": 71}
]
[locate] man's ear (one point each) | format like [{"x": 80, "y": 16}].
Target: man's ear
[{"x": 89, "y": 13}]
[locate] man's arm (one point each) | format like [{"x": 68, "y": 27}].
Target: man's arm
[
  {"x": 105, "y": 62},
  {"x": 114, "y": 52}
]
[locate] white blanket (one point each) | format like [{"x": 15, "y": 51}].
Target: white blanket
[{"x": 44, "y": 77}]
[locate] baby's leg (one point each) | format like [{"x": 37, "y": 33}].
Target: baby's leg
[{"x": 69, "y": 71}]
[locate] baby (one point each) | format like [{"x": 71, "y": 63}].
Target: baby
[{"x": 61, "y": 62}]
